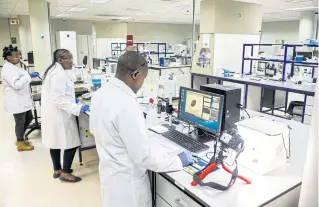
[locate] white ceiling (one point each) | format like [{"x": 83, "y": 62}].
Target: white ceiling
[{"x": 168, "y": 11}]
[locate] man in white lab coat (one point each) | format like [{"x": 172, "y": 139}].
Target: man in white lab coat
[{"x": 123, "y": 147}]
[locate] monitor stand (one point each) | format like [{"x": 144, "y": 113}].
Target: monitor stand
[
  {"x": 201, "y": 136},
  {"x": 169, "y": 127}
]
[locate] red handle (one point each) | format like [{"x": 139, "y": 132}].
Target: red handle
[
  {"x": 239, "y": 176},
  {"x": 208, "y": 170}
]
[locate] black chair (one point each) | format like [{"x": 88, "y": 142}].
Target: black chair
[
  {"x": 293, "y": 105},
  {"x": 36, "y": 125}
]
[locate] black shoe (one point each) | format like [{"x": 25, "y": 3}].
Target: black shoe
[
  {"x": 77, "y": 179},
  {"x": 55, "y": 176}
]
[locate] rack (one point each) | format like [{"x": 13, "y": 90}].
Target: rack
[
  {"x": 285, "y": 61},
  {"x": 158, "y": 53}
]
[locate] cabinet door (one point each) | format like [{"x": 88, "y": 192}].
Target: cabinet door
[
  {"x": 172, "y": 195},
  {"x": 160, "y": 202}
]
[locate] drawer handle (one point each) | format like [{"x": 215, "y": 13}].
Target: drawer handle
[{"x": 181, "y": 203}]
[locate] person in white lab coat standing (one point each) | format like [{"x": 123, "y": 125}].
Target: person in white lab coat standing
[
  {"x": 124, "y": 149},
  {"x": 17, "y": 95},
  {"x": 59, "y": 110}
]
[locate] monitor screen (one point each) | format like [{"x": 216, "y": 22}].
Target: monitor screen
[{"x": 202, "y": 109}]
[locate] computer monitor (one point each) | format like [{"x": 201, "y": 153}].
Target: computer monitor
[{"x": 202, "y": 109}]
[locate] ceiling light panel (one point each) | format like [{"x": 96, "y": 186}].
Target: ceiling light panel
[
  {"x": 99, "y": 1},
  {"x": 66, "y": 5},
  {"x": 78, "y": 9}
]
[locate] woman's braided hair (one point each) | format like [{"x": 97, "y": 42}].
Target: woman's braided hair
[
  {"x": 7, "y": 51},
  {"x": 56, "y": 56}
]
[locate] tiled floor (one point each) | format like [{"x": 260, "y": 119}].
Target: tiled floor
[{"x": 26, "y": 177}]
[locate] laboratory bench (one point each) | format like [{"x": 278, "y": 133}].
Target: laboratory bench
[
  {"x": 280, "y": 187},
  {"x": 256, "y": 99}
]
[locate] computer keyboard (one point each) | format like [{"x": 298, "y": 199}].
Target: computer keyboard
[{"x": 185, "y": 141}]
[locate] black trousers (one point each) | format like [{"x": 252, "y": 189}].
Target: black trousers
[
  {"x": 68, "y": 157},
  {"x": 22, "y": 122}
]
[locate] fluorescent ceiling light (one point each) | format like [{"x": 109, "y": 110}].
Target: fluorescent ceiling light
[
  {"x": 99, "y": 1},
  {"x": 66, "y": 5},
  {"x": 78, "y": 9},
  {"x": 302, "y": 8},
  {"x": 115, "y": 17},
  {"x": 144, "y": 14},
  {"x": 63, "y": 15}
]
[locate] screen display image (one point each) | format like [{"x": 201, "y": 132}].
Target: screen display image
[{"x": 201, "y": 109}]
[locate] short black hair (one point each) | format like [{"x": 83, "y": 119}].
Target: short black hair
[
  {"x": 7, "y": 51},
  {"x": 129, "y": 62}
]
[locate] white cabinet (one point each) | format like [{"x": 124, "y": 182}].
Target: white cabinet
[
  {"x": 172, "y": 195},
  {"x": 160, "y": 202}
]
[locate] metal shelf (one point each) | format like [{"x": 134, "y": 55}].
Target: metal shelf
[
  {"x": 158, "y": 53},
  {"x": 284, "y": 61}
]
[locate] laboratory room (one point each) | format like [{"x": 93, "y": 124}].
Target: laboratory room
[{"x": 159, "y": 103}]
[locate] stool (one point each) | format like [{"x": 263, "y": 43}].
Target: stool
[
  {"x": 36, "y": 125},
  {"x": 293, "y": 105}
]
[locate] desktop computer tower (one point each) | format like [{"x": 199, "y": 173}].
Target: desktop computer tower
[{"x": 232, "y": 96}]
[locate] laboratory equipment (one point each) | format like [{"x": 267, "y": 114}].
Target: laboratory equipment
[
  {"x": 180, "y": 50},
  {"x": 232, "y": 96},
  {"x": 270, "y": 70},
  {"x": 230, "y": 141},
  {"x": 202, "y": 109},
  {"x": 87, "y": 96},
  {"x": 169, "y": 111},
  {"x": 267, "y": 144},
  {"x": 67, "y": 40},
  {"x": 164, "y": 61},
  {"x": 299, "y": 58},
  {"x": 185, "y": 141},
  {"x": 30, "y": 57},
  {"x": 97, "y": 62},
  {"x": 166, "y": 87}
]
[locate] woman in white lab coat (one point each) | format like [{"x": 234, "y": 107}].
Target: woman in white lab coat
[
  {"x": 59, "y": 110},
  {"x": 17, "y": 95}
]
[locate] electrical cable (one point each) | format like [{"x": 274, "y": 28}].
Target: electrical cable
[
  {"x": 288, "y": 152},
  {"x": 245, "y": 110}
]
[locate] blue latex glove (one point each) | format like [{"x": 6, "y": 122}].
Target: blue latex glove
[
  {"x": 85, "y": 108},
  {"x": 35, "y": 74},
  {"x": 187, "y": 158},
  {"x": 77, "y": 100}
]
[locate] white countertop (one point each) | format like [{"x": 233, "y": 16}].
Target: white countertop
[{"x": 263, "y": 188}]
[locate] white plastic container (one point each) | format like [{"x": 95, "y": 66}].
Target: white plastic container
[{"x": 265, "y": 142}]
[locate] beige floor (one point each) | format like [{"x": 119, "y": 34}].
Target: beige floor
[{"x": 26, "y": 177}]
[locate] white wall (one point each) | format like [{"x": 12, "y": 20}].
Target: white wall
[
  {"x": 110, "y": 29},
  {"x": 79, "y": 26},
  {"x": 285, "y": 30},
  {"x": 25, "y": 36},
  {"x": 168, "y": 33}
]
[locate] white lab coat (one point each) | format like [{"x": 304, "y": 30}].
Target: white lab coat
[
  {"x": 59, "y": 111},
  {"x": 17, "y": 93},
  {"x": 124, "y": 149}
]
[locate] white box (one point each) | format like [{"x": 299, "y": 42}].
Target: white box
[{"x": 265, "y": 142}]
